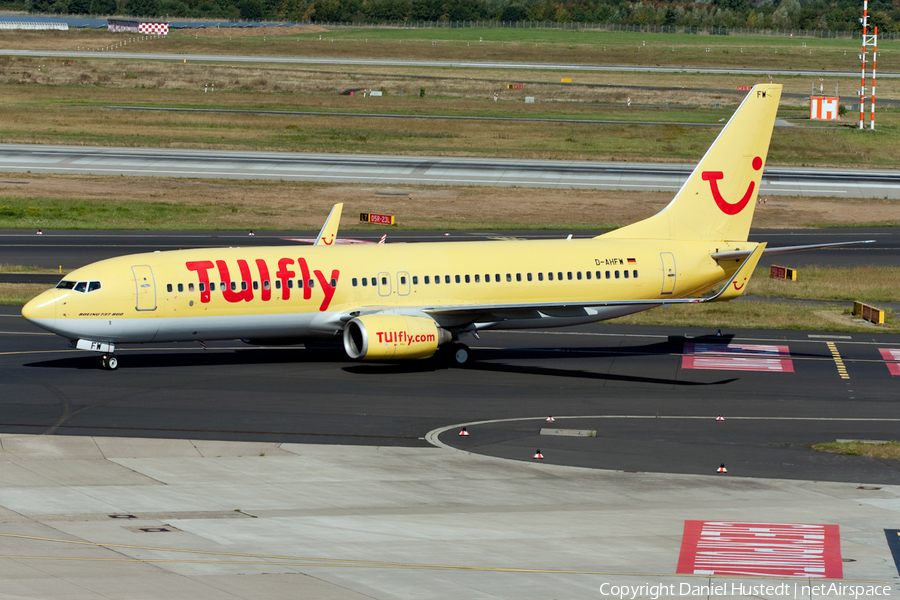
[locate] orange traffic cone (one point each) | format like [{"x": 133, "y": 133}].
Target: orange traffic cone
[
  {"x": 720, "y": 418},
  {"x": 463, "y": 432},
  {"x": 550, "y": 419},
  {"x": 538, "y": 455},
  {"x": 722, "y": 469}
]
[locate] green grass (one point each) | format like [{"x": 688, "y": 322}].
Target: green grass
[
  {"x": 45, "y": 213},
  {"x": 890, "y": 450},
  {"x": 756, "y": 314},
  {"x": 863, "y": 283}
]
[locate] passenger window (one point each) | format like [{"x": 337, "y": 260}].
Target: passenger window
[
  {"x": 333, "y": 283},
  {"x": 437, "y": 279},
  {"x": 634, "y": 273},
  {"x": 540, "y": 276},
  {"x": 617, "y": 274},
  {"x": 290, "y": 283},
  {"x": 267, "y": 285},
  {"x": 374, "y": 282},
  {"x": 599, "y": 275},
  {"x": 508, "y": 277},
  {"x": 212, "y": 286},
  {"x": 607, "y": 274},
  {"x": 587, "y": 274},
  {"x": 626, "y": 274},
  {"x": 234, "y": 286},
  {"x": 487, "y": 277},
  {"x": 529, "y": 277},
  {"x": 415, "y": 280},
  {"x": 169, "y": 287},
  {"x": 559, "y": 275},
  {"x": 202, "y": 287},
  {"x": 468, "y": 279},
  {"x": 518, "y": 277},
  {"x": 477, "y": 278},
  {"x": 446, "y": 279},
  {"x": 578, "y": 275},
  {"x": 180, "y": 287},
  {"x": 190, "y": 287},
  {"x": 311, "y": 283},
  {"x": 277, "y": 284},
  {"x": 427, "y": 280},
  {"x": 550, "y": 276},
  {"x": 365, "y": 281},
  {"x": 299, "y": 284},
  {"x": 81, "y": 286},
  {"x": 384, "y": 281},
  {"x": 457, "y": 279},
  {"x": 497, "y": 277},
  {"x": 243, "y": 286},
  {"x": 94, "y": 285},
  {"x": 403, "y": 280}
]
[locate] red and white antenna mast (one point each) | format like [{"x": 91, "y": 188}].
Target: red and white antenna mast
[{"x": 867, "y": 40}]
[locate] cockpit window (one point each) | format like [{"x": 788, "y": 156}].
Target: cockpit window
[
  {"x": 65, "y": 285},
  {"x": 94, "y": 285},
  {"x": 81, "y": 286}
]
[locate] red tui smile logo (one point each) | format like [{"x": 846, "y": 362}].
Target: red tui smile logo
[{"x": 726, "y": 207}]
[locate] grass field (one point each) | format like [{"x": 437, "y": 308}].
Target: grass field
[
  {"x": 29, "y": 201},
  {"x": 510, "y": 44},
  {"x": 64, "y": 101},
  {"x": 890, "y": 450}
]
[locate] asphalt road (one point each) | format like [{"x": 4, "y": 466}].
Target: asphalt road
[
  {"x": 609, "y": 378},
  {"x": 441, "y": 64},
  {"x": 379, "y": 169}
]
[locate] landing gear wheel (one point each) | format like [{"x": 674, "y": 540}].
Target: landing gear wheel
[
  {"x": 103, "y": 362},
  {"x": 109, "y": 362},
  {"x": 459, "y": 354}
]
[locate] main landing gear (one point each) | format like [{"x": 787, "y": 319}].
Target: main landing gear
[
  {"x": 456, "y": 354},
  {"x": 109, "y": 362}
]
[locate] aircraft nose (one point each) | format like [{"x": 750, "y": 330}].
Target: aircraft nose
[{"x": 42, "y": 310}]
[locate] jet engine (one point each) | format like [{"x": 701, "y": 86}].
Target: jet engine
[{"x": 393, "y": 337}]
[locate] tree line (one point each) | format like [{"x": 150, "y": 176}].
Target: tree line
[{"x": 832, "y": 15}]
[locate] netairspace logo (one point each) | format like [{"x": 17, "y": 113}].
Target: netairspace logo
[{"x": 795, "y": 590}]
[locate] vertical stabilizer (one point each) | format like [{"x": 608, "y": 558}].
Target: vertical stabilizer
[
  {"x": 328, "y": 234},
  {"x": 718, "y": 199}
]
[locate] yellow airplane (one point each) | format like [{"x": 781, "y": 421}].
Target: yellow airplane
[{"x": 401, "y": 301}]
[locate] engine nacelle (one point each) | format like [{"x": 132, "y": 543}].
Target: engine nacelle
[{"x": 393, "y": 337}]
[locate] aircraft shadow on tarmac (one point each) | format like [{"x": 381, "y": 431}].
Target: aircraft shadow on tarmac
[
  {"x": 210, "y": 358},
  {"x": 484, "y": 360}
]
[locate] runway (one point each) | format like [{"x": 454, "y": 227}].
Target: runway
[
  {"x": 424, "y": 170},
  {"x": 71, "y": 249},
  {"x": 440, "y": 64}
]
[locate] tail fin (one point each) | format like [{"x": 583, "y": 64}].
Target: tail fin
[
  {"x": 718, "y": 199},
  {"x": 328, "y": 234}
]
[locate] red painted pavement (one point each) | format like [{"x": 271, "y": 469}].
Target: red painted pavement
[
  {"x": 891, "y": 354},
  {"x": 737, "y": 357},
  {"x": 761, "y": 549}
]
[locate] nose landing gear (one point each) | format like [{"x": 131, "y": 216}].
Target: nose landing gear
[{"x": 109, "y": 362}]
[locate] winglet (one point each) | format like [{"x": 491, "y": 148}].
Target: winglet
[
  {"x": 738, "y": 283},
  {"x": 328, "y": 234}
]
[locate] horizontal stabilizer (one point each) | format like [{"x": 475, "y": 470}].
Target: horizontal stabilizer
[{"x": 738, "y": 254}]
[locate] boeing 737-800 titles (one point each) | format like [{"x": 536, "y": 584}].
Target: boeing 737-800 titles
[{"x": 404, "y": 301}]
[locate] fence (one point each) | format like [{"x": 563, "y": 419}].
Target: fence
[
  {"x": 581, "y": 26},
  {"x": 33, "y": 25}
]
